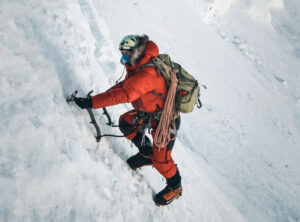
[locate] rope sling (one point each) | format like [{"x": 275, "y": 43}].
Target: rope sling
[{"x": 162, "y": 135}]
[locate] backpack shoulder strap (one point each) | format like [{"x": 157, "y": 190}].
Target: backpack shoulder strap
[
  {"x": 158, "y": 95},
  {"x": 153, "y": 65},
  {"x": 145, "y": 65}
]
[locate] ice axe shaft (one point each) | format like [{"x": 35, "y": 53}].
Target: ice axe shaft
[{"x": 73, "y": 97}]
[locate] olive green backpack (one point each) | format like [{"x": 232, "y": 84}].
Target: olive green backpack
[{"x": 188, "y": 90}]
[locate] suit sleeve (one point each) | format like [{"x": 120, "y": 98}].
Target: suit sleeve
[
  {"x": 118, "y": 85},
  {"x": 133, "y": 88}
]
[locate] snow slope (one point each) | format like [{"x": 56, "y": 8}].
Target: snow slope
[{"x": 238, "y": 156}]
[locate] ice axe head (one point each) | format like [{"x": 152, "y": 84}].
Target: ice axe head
[{"x": 72, "y": 96}]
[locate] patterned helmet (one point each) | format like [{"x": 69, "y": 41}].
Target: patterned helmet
[{"x": 128, "y": 42}]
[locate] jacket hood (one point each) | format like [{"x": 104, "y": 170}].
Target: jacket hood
[{"x": 144, "y": 51}]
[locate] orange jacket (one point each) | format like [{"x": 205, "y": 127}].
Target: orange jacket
[{"x": 137, "y": 86}]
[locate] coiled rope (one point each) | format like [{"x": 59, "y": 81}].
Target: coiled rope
[{"x": 162, "y": 134}]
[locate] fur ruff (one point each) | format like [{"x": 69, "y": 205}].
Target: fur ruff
[{"x": 138, "y": 51}]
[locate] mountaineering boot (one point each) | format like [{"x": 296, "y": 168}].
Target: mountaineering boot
[
  {"x": 167, "y": 195},
  {"x": 139, "y": 160},
  {"x": 171, "y": 192},
  {"x": 144, "y": 156}
]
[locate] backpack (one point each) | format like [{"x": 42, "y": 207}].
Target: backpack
[{"x": 188, "y": 90}]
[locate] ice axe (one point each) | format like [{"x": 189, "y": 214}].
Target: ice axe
[{"x": 73, "y": 97}]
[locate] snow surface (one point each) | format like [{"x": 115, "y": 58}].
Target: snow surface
[{"x": 238, "y": 156}]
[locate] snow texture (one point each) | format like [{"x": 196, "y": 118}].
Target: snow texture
[{"x": 238, "y": 156}]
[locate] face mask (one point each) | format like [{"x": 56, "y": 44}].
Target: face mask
[{"x": 125, "y": 59}]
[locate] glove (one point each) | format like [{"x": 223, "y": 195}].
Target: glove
[{"x": 84, "y": 103}]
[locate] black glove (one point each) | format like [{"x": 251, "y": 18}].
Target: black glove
[{"x": 84, "y": 103}]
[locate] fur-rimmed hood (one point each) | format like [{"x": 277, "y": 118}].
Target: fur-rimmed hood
[{"x": 138, "y": 51}]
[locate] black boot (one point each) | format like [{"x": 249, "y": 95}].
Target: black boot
[
  {"x": 171, "y": 192},
  {"x": 139, "y": 160},
  {"x": 167, "y": 195},
  {"x": 144, "y": 157}
]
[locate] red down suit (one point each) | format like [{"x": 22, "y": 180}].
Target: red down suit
[{"x": 137, "y": 89}]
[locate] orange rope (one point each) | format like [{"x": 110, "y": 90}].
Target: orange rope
[{"x": 162, "y": 134}]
